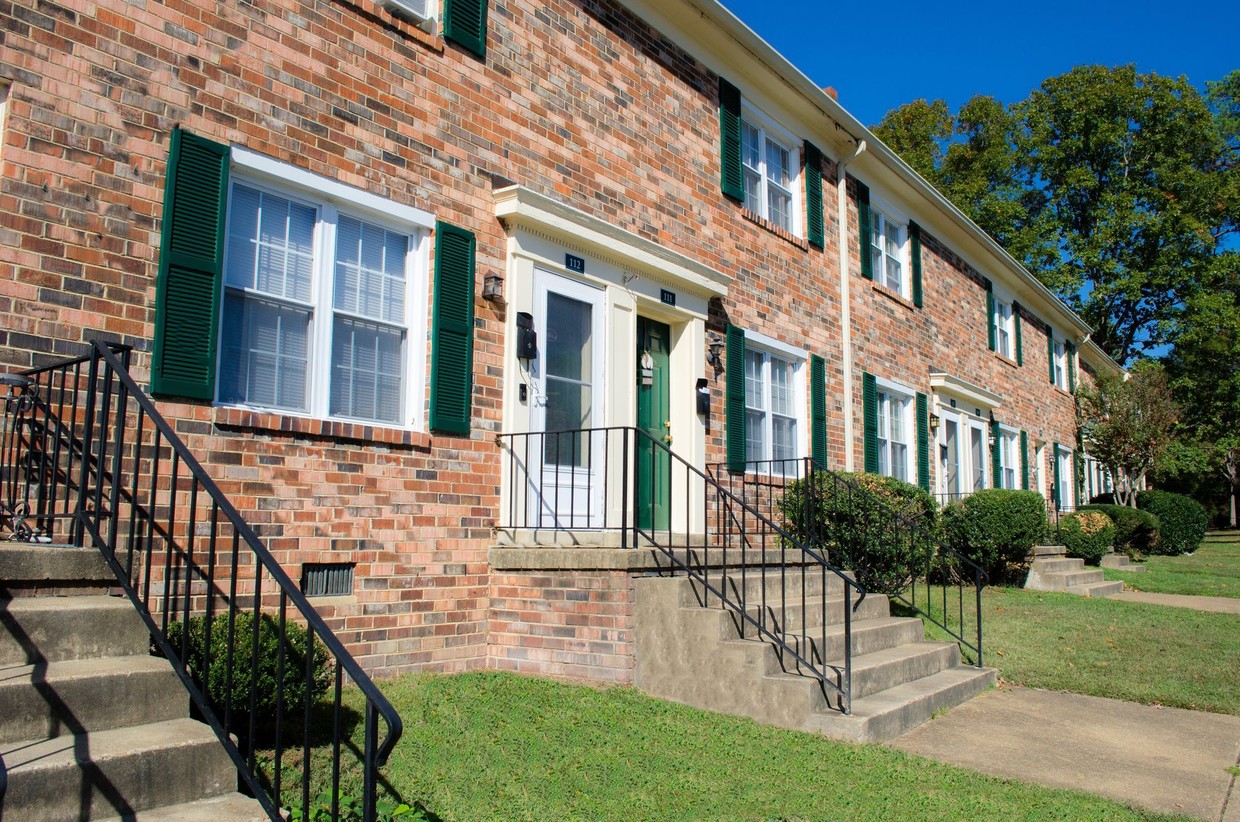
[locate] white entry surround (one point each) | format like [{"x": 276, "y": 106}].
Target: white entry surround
[
  {"x": 624, "y": 275},
  {"x": 963, "y": 442}
]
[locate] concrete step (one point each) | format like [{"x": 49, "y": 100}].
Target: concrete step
[
  {"x": 1057, "y": 566},
  {"x": 53, "y": 629},
  {"x": 76, "y": 696},
  {"x": 868, "y": 636},
  {"x": 115, "y": 772},
  {"x": 1047, "y": 551},
  {"x": 231, "y": 807},
  {"x": 889, "y": 713},
  {"x": 752, "y": 581},
  {"x": 876, "y": 672},
  {"x": 1121, "y": 563},
  {"x": 817, "y": 610},
  {"x": 1096, "y": 589},
  {"x": 29, "y": 562},
  {"x": 1082, "y": 577}
]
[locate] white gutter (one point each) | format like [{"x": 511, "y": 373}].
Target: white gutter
[{"x": 841, "y": 199}]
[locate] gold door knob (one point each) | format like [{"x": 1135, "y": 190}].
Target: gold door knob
[
  {"x": 668, "y": 439},
  {"x": 667, "y": 423}
]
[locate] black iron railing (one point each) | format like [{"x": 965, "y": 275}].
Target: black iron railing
[
  {"x": 93, "y": 462},
  {"x": 1055, "y": 512},
  {"x": 835, "y": 512},
  {"x": 623, "y": 481}
]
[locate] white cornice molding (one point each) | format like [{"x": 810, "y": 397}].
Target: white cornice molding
[
  {"x": 519, "y": 207},
  {"x": 945, "y": 383}
]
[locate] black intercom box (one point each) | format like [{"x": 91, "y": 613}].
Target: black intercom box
[{"x": 527, "y": 338}]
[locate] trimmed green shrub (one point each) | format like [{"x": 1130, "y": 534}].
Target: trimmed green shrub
[
  {"x": 1181, "y": 520},
  {"x": 262, "y": 677},
  {"x": 1136, "y": 531},
  {"x": 880, "y": 528},
  {"x": 1087, "y": 535},
  {"x": 996, "y": 528}
]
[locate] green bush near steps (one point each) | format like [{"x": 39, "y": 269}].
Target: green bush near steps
[
  {"x": 1181, "y": 520},
  {"x": 1136, "y": 531},
  {"x": 1087, "y": 535},
  {"x": 996, "y": 528}
]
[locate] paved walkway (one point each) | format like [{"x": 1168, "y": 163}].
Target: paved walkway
[
  {"x": 1223, "y": 605},
  {"x": 1163, "y": 759}
]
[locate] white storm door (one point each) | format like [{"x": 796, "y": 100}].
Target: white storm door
[{"x": 568, "y": 395}]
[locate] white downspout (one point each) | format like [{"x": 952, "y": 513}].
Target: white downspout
[{"x": 841, "y": 196}]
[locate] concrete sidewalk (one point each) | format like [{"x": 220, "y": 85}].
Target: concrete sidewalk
[
  {"x": 1164, "y": 759},
  {"x": 1222, "y": 605}
]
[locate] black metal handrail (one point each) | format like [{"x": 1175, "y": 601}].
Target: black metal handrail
[
  {"x": 833, "y": 506},
  {"x": 102, "y": 460},
  {"x": 622, "y": 480}
]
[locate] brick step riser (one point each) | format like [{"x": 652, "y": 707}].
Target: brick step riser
[{"x": 69, "y": 632}]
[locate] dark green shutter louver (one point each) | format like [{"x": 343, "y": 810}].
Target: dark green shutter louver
[
  {"x": 191, "y": 257},
  {"x": 914, "y": 246},
  {"x": 990, "y": 315},
  {"x": 1070, "y": 352},
  {"x": 1020, "y": 344},
  {"x": 996, "y": 469},
  {"x": 452, "y": 330},
  {"x": 734, "y": 399},
  {"x": 813, "y": 195},
  {"x": 465, "y": 23},
  {"x": 818, "y": 410},
  {"x": 731, "y": 175},
  {"x": 863, "y": 230},
  {"x": 1050, "y": 354},
  {"x": 1078, "y": 465},
  {"x": 869, "y": 418},
  {"x": 1024, "y": 460},
  {"x": 923, "y": 443},
  {"x": 1055, "y": 478}
]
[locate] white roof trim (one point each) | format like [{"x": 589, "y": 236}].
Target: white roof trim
[
  {"x": 975, "y": 395},
  {"x": 518, "y": 206}
]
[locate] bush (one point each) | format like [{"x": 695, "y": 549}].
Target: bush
[
  {"x": 1181, "y": 520},
  {"x": 880, "y": 528},
  {"x": 996, "y": 528},
  {"x": 263, "y": 678},
  {"x": 1136, "y": 531},
  {"x": 1087, "y": 535}
]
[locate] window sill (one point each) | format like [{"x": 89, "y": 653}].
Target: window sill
[
  {"x": 892, "y": 295},
  {"x": 409, "y": 30},
  {"x": 774, "y": 229},
  {"x": 1065, "y": 392},
  {"x": 1006, "y": 360},
  {"x": 309, "y": 428}
]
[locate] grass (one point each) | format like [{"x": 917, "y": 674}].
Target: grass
[
  {"x": 1212, "y": 570},
  {"x": 499, "y": 746},
  {"x": 1152, "y": 654}
]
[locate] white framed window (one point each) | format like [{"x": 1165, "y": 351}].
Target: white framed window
[
  {"x": 775, "y": 419},
  {"x": 895, "y": 431},
  {"x": 771, "y": 162},
  {"x": 1005, "y": 328},
  {"x": 889, "y": 248},
  {"x": 323, "y": 310},
  {"x": 1009, "y": 458},
  {"x": 1061, "y": 364}
]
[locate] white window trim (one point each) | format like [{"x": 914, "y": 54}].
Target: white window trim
[
  {"x": 909, "y": 422},
  {"x": 330, "y": 198},
  {"x": 772, "y": 130},
  {"x": 800, "y": 360},
  {"x": 1060, "y": 347},
  {"x": 890, "y": 214},
  {"x": 1005, "y": 432}
]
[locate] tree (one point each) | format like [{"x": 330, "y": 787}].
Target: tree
[{"x": 1126, "y": 424}]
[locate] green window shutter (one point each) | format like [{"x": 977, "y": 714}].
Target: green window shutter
[
  {"x": 818, "y": 409},
  {"x": 869, "y": 417},
  {"x": 1020, "y": 345},
  {"x": 1050, "y": 354},
  {"x": 914, "y": 247},
  {"x": 990, "y": 315},
  {"x": 734, "y": 399},
  {"x": 1055, "y": 478},
  {"x": 1078, "y": 465},
  {"x": 863, "y": 230},
  {"x": 191, "y": 264},
  {"x": 452, "y": 330},
  {"x": 731, "y": 176},
  {"x": 996, "y": 471},
  {"x": 1070, "y": 351},
  {"x": 465, "y": 23},
  {"x": 923, "y": 443},
  {"x": 813, "y": 195},
  {"x": 1024, "y": 460}
]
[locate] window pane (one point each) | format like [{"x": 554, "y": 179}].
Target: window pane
[
  {"x": 781, "y": 387},
  {"x": 366, "y": 371},
  {"x": 895, "y": 274},
  {"x": 570, "y": 343},
  {"x": 270, "y": 244},
  {"x": 951, "y": 458},
  {"x": 899, "y": 461},
  {"x": 569, "y": 408},
  {"x": 780, "y": 207},
  {"x": 777, "y": 162},
  {"x": 896, "y": 409},
  {"x": 753, "y": 191},
  {"x": 784, "y": 446},
  {"x": 370, "y": 270},
  {"x": 883, "y": 403},
  {"x": 755, "y": 436},
  {"x": 893, "y": 239},
  {"x": 265, "y": 353},
  {"x": 755, "y": 393},
  {"x": 242, "y": 236},
  {"x": 977, "y": 455},
  {"x": 751, "y": 152}
]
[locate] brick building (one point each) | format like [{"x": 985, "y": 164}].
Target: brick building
[{"x": 329, "y": 228}]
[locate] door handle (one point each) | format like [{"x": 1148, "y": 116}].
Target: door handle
[
  {"x": 667, "y": 423},
  {"x": 668, "y": 439}
]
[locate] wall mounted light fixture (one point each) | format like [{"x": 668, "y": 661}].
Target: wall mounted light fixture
[
  {"x": 493, "y": 288},
  {"x": 714, "y": 352}
]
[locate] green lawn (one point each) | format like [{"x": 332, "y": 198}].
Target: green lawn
[
  {"x": 1124, "y": 650},
  {"x": 1213, "y": 570},
  {"x": 499, "y": 746}
]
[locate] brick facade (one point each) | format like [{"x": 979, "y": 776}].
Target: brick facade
[{"x": 580, "y": 101}]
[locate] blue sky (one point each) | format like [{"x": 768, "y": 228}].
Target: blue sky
[{"x": 881, "y": 55}]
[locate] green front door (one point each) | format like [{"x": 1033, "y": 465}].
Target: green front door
[{"x": 654, "y": 466}]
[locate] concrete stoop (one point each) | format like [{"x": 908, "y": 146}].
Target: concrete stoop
[
  {"x": 1051, "y": 570},
  {"x": 91, "y": 725},
  {"x": 690, "y": 650},
  {"x": 1120, "y": 562}
]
